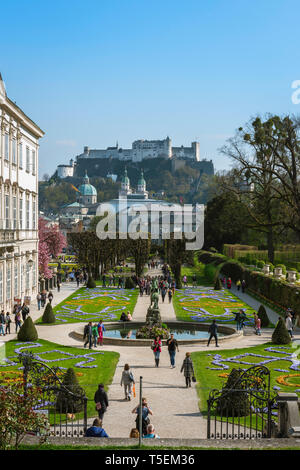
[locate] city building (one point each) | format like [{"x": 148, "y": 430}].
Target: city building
[
  {"x": 19, "y": 148},
  {"x": 81, "y": 211},
  {"x": 63, "y": 171}
]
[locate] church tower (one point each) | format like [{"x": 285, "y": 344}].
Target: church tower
[
  {"x": 141, "y": 189},
  {"x": 125, "y": 185}
]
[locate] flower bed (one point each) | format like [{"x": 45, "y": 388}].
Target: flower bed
[
  {"x": 204, "y": 304},
  {"x": 94, "y": 304}
]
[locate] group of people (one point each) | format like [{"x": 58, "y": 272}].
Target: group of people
[
  {"x": 20, "y": 313},
  {"x": 112, "y": 280},
  {"x": 42, "y": 297},
  {"x": 290, "y": 318},
  {"x": 227, "y": 282},
  {"x": 93, "y": 334}
]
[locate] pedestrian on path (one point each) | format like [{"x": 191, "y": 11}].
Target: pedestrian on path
[
  {"x": 258, "y": 326},
  {"x": 213, "y": 328},
  {"x": 156, "y": 348},
  {"x": 238, "y": 284},
  {"x": 146, "y": 411},
  {"x": 188, "y": 369},
  {"x": 7, "y": 323},
  {"x": 43, "y": 299},
  {"x": 2, "y": 323},
  {"x": 194, "y": 279},
  {"x": 229, "y": 283},
  {"x": 127, "y": 380},
  {"x": 25, "y": 311},
  {"x": 101, "y": 329},
  {"x": 50, "y": 297},
  {"x": 18, "y": 320},
  {"x": 38, "y": 299},
  {"x": 101, "y": 400},
  {"x": 95, "y": 334},
  {"x": 243, "y": 286},
  {"x": 172, "y": 346},
  {"x": 163, "y": 293},
  {"x": 88, "y": 335},
  {"x": 289, "y": 325},
  {"x": 170, "y": 294},
  {"x": 237, "y": 319},
  {"x": 58, "y": 286}
]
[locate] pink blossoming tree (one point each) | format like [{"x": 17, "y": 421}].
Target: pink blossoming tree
[{"x": 51, "y": 243}]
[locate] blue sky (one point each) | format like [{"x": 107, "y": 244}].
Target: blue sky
[{"x": 94, "y": 72}]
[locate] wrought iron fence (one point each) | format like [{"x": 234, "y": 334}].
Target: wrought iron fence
[
  {"x": 66, "y": 410},
  {"x": 243, "y": 409}
]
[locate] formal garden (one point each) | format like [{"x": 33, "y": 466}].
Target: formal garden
[
  {"x": 90, "y": 367},
  {"x": 204, "y": 304},
  {"x": 96, "y": 304}
]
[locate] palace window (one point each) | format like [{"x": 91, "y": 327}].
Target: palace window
[
  {"x": 6, "y": 147},
  {"x": 21, "y": 211},
  {"x": 1, "y": 284},
  {"x": 16, "y": 283},
  {"x": 27, "y": 160},
  {"x": 7, "y": 218},
  {"x": 27, "y": 214},
  {"x": 33, "y": 162},
  {"x": 8, "y": 282},
  {"x": 14, "y": 212},
  {"x": 14, "y": 151},
  {"x": 20, "y": 155}
]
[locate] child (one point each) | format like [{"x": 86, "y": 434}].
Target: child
[{"x": 258, "y": 326}]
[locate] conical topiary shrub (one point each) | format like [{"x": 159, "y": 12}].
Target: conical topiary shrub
[
  {"x": 66, "y": 402},
  {"x": 48, "y": 315},
  {"x": 91, "y": 284},
  {"x": 262, "y": 314},
  {"x": 129, "y": 284},
  {"x": 28, "y": 331},
  {"x": 233, "y": 400},
  {"x": 218, "y": 284},
  {"x": 280, "y": 334}
]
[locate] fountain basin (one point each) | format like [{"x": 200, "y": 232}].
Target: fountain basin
[{"x": 184, "y": 332}]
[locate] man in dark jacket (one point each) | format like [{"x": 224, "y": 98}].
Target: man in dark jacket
[
  {"x": 172, "y": 346},
  {"x": 213, "y": 328},
  {"x": 88, "y": 335},
  {"x": 101, "y": 400}
]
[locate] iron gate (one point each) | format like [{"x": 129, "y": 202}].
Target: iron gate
[
  {"x": 242, "y": 409},
  {"x": 66, "y": 411}
]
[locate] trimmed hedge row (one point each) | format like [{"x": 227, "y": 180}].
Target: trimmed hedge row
[{"x": 280, "y": 292}]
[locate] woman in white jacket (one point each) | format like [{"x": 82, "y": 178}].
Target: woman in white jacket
[{"x": 127, "y": 380}]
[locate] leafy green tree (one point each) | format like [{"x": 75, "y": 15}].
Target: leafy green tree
[{"x": 280, "y": 334}]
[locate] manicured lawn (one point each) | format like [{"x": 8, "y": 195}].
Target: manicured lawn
[
  {"x": 277, "y": 358},
  {"x": 203, "y": 304},
  {"x": 94, "y": 304},
  {"x": 88, "y": 378}
]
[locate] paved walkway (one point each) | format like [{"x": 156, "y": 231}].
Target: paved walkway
[{"x": 67, "y": 288}]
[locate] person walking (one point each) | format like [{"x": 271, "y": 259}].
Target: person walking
[
  {"x": 101, "y": 329},
  {"x": 156, "y": 348},
  {"x": 163, "y": 293},
  {"x": 185, "y": 281},
  {"x": 213, "y": 328},
  {"x": 101, "y": 400},
  {"x": 58, "y": 286},
  {"x": 188, "y": 369},
  {"x": 194, "y": 279},
  {"x": 243, "y": 286},
  {"x": 170, "y": 294},
  {"x": 43, "y": 299},
  {"x": 18, "y": 320},
  {"x": 95, "y": 334},
  {"x": 238, "y": 284},
  {"x": 38, "y": 299},
  {"x": 172, "y": 346},
  {"x": 127, "y": 380},
  {"x": 25, "y": 311},
  {"x": 88, "y": 335},
  {"x": 229, "y": 283},
  {"x": 50, "y": 297},
  {"x": 289, "y": 325},
  {"x": 258, "y": 326},
  {"x": 238, "y": 320},
  {"x": 146, "y": 411},
  {"x": 7, "y": 323},
  {"x": 2, "y": 323}
]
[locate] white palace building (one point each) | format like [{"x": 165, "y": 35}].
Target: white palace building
[{"x": 19, "y": 146}]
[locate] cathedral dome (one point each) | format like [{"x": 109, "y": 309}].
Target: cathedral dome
[{"x": 87, "y": 189}]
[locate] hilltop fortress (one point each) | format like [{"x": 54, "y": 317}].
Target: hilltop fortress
[{"x": 141, "y": 150}]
